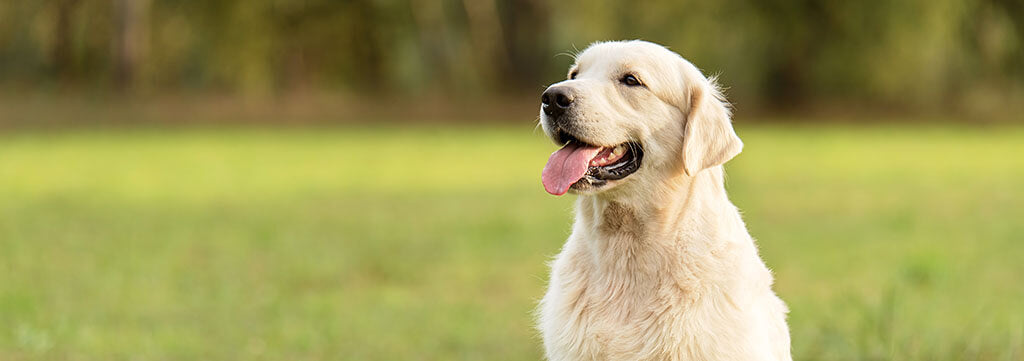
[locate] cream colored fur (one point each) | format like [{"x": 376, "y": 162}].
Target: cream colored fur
[{"x": 659, "y": 265}]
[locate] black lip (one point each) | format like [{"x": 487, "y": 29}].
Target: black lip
[
  {"x": 629, "y": 164},
  {"x": 562, "y": 137}
]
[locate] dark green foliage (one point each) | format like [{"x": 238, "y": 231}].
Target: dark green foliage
[{"x": 780, "y": 52}]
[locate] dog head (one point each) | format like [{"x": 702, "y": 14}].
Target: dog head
[{"x": 633, "y": 112}]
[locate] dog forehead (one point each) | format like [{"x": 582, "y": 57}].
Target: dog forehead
[
  {"x": 625, "y": 53},
  {"x": 664, "y": 72},
  {"x": 644, "y": 58}
]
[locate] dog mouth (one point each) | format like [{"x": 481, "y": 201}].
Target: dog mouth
[{"x": 580, "y": 165}]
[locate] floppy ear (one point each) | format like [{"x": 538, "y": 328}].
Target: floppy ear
[{"x": 708, "y": 138}]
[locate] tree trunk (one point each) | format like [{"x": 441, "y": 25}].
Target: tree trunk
[
  {"x": 61, "y": 52},
  {"x": 130, "y": 40}
]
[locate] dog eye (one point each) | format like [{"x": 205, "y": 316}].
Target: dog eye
[
  {"x": 630, "y": 80},
  {"x": 573, "y": 74}
]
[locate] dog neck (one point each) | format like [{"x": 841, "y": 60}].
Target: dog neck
[
  {"x": 682, "y": 213},
  {"x": 667, "y": 203}
]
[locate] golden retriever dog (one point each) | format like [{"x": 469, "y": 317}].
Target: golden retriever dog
[{"x": 659, "y": 265}]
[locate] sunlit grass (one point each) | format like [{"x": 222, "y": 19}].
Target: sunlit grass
[{"x": 421, "y": 243}]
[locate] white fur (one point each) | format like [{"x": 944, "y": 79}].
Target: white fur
[{"x": 659, "y": 265}]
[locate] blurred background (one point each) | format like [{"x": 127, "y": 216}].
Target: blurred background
[{"x": 359, "y": 180}]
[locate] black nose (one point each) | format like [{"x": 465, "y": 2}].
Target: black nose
[{"x": 555, "y": 101}]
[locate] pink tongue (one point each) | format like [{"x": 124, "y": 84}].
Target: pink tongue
[{"x": 566, "y": 166}]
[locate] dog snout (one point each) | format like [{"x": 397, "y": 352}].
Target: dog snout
[{"x": 556, "y": 100}]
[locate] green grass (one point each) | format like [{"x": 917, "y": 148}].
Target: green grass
[{"x": 389, "y": 243}]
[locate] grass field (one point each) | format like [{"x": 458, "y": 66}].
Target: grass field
[{"x": 398, "y": 243}]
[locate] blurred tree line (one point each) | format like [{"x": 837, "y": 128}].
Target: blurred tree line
[{"x": 919, "y": 52}]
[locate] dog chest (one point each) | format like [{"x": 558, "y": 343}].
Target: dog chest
[
  {"x": 588, "y": 314},
  {"x": 583, "y": 317}
]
